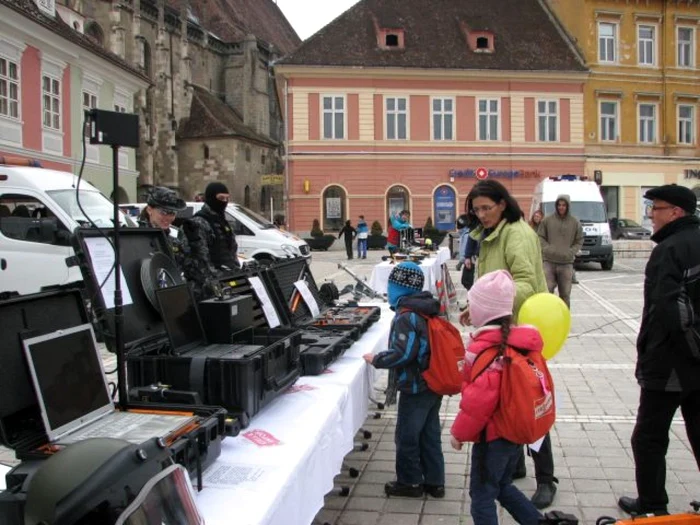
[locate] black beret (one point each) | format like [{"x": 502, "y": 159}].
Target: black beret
[{"x": 674, "y": 194}]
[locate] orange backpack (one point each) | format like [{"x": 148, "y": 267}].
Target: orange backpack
[
  {"x": 444, "y": 372},
  {"x": 526, "y": 410}
]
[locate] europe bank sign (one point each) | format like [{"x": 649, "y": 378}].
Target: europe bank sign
[{"x": 496, "y": 174}]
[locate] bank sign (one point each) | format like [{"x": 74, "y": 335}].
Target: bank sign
[
  {"x": 444, "y": 211},
  {"x": 471, "y": 173}
]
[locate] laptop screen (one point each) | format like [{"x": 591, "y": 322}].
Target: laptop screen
[
  {"x": 180, "y": 317},
  {"x": 68, "y": 379}
]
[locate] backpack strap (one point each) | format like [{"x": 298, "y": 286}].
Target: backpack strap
[{"x": 493, "y": 352}]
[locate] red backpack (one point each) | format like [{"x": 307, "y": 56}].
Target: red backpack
[
  {"x": 526, "y": 409},
  {"x": 444, "y": 373}
]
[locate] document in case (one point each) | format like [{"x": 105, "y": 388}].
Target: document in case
[
  {"x": 268, "y": 308},
  {"x": 102, "y": 257},
  {"x": 303, "y": 288}
]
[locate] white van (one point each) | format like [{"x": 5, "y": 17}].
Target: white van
[
  {"x": 257, "y": 237},
  {"x": 587, "y": 206},
  {"x": 38, "y": 213}
]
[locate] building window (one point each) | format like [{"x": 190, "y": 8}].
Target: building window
[
  {"x": 334, "y": 208},
  {"x": 686, "y": 124},
  {"x": 334, "y": 117},
  {"x": 9, "y": 88},
  {"x": 608, "y": 121},
  {"x": 397, "y": 200},
  {"x": 119, "y": 108},
  {"x": 646, "y": 43},
  {"x": 51, "y": 95},
  {"x": 396, "y": 118},
  {"x": 391, "y": 40},
  {"x": 547, "y": 120},
  {"x": 246, "y": 197},
  {"x": 89, "y": 102},
  {"x": 488, "y": 119},
  {"x": 686, "y": 46},
  {"x": 443, "y": 119},
  {"x": 607, "y": 42},
  {"x": 647, "y": 123}
]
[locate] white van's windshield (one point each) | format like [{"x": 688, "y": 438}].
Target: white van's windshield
[
  {"x": 98, "y": 207},
  {"x": 583, "y": 211},
  {"x": 259, "y": 220}
]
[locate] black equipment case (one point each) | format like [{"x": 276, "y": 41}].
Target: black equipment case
[
  {"x": 242, "y": 384},
  {"x": 280, "y": 280},
  {"x": 21, "y": 424},
  {"x": 317, "y": 348}
]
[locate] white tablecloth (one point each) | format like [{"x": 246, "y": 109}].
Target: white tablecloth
[
  {"x": 278, "y": 470},
  {"x": 430, "y": 266}
]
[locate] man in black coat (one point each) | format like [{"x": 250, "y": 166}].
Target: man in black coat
[{"x": 668, "y": 346}]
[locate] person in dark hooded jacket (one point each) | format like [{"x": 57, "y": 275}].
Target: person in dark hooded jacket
[
  {"x": 561, "y": 237},
  {"x": 668, "y": 345},
  {"x": 420, "y": 464},
  {"x": 210, "y": 236}
]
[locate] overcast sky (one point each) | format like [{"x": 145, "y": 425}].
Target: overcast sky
[{"x": 308, "y": 16}]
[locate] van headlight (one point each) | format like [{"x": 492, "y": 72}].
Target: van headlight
[
  {"x": 289, "y": 249},
  {"x": 606, "y": 240}
]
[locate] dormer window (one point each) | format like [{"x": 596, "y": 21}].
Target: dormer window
[
  {"x": 391, "y": 39},
  {"x": 482, "y": 43},
  {"x": 479, "y": 41}
]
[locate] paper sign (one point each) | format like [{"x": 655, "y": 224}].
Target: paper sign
[
  {"x": 261, "y": 438},
  {"x": 303, "y": 288},
  {"x": 102, "y": 257},
  {"x": 226, "y": 475},
  {"x": 268, "y": 308}
]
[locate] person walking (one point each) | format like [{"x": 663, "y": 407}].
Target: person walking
[
  {"x": 420, "y": 464},
  {"x": 561, "y": 236},
  {"x": 536, "y": 219},
  {"x": 493, "y": 457},
  {"x": 668, "y": 345},
  {"x": 349, "y": 232},
  {"x": 397, "y": 224},
  {"x": 362, "y": 234},
  {"x": 507, "y": 242},
  {"x": 468, "y": 250}
]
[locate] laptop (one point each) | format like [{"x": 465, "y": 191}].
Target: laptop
[
  {"x": 73, "y": 393},
  {"x": 185, "y": 331}
]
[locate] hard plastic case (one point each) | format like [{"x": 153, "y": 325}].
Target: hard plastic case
[
  {"x": 21, "y": 426},
  {"x": 242, "y": 385}
]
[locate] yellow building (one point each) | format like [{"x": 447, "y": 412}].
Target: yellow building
[{"x": 641, "y": 99}]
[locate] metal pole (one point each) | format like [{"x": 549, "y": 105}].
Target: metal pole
[{"x": 118, "y": 312}]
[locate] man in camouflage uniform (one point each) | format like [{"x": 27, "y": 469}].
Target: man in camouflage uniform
[
  {"x": 161, "y": 209},
  {"x": 212, "y": 241}
]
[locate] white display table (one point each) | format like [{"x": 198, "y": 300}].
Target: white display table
[
  {"x": 278, "y": 470},
  {"x": 430, "y": 266}
]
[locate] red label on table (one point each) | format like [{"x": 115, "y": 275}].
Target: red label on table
[
  {"x": 328, "y": 371},
  {"x": 300, "y": 388},
  {"x": 261, "y": 438}
]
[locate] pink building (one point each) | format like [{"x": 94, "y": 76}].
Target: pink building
[{"x": 390, "y": 109}]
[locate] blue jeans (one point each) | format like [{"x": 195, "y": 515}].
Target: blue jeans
[
  {"x": 419, "y": 458},
  {"x": 491, "y": 479},
  {"x": 361, "y": 248}
]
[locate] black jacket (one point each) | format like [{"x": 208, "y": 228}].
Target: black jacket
[
  {"x": 668, "y": 346},
  {"x": 213, "y": 240},
  {"x": 409, "y": 348}
]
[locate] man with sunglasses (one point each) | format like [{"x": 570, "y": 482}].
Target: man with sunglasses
[
  {"x": 668, "y": 345},
  {"x": 162, "y": 207}
]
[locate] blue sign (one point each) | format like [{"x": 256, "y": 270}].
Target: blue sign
[{"x": 445, "y": 209}]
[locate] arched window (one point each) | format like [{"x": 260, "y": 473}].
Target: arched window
[
  {"x": 94, "y": 31},
  {"x": 206, "y": 151},
  {"x": 397, "y": 199},
  {"x": 334, "y": 208},
  {"x": 145, "y": 51},
  {"x": 246, "y": 197},
  {"x": 265, "y": 198}
]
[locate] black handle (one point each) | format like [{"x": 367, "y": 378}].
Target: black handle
[
  {"x": 3, "y": 264},
  {"x": 275, "y": 385}
]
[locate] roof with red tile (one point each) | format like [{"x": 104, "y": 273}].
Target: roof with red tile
[{"x": 526, "y": 37}]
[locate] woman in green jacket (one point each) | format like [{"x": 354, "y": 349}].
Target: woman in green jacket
[{"x": 507, "y": 242}]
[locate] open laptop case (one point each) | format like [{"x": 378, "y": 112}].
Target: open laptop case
[
  {"x": 184, "y": 327},
  {"x": 73, "y": 394}
]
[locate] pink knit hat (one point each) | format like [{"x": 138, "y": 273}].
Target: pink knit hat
[{"x": 491, "y": 297}]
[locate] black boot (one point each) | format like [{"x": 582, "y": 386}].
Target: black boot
[
  {"x": 544, "y": 495},
  {"x": 436, "y": 491},
  {"x": 631, "y": 506},
  {"x": 401, "y": 490}
]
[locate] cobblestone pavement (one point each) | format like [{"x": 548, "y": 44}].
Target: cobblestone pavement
[{"x": 597, "y": 399}]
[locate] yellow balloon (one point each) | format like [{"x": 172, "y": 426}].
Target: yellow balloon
[{"x": 549, "y": 314}]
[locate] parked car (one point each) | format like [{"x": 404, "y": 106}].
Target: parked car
[{"x": 628, "y": 229}]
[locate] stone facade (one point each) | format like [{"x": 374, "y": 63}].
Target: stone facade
[{"x": 167, "y": 41}]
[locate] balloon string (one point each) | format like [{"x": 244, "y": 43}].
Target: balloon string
[{"x": 635, "y": 318}]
